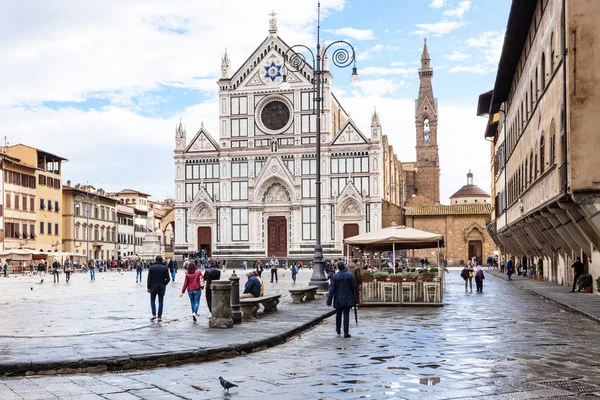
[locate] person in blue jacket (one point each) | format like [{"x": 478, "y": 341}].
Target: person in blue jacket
[{"x": 342, "y": 292}]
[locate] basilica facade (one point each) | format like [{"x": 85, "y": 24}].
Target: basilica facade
[{"x": 248, "y": 191}]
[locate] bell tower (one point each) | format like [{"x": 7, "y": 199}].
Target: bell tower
[{"x": 427, "y": 179}]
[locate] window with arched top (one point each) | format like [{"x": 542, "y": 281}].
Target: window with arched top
[
  {"x": 426, "y": 137},
  {"x": 542, "y": 152},
  {"x": 531, "y": 166},
  {"x": 543, "y": 71},
  {"x": 525, "y": 169},
  {"x": 552, "y": 51},
  {"x": 537, "y": 91},
  {"x": 532, "y": 95},
  {"x": 552, "y": 143}
]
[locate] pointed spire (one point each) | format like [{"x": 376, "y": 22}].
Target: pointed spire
[
  {"x": 225, "y": 65},
  {"x": 425, "y": 55},
  {"x": 375, "y": 118}
]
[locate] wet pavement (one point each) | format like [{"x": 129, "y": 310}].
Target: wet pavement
[
  {"x": 501, "y": 344},
  {"x": 586, "y": 304},
  {"x": 105, "y": 324}
]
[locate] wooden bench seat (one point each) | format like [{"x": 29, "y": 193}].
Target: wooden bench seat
[
  {"x": 300, "y": 295},
  {"x": 251, "y": 305}
]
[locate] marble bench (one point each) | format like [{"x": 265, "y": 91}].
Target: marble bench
[
  {"x": 251, "y": 305},
  {"x": 298, "y": 295}
]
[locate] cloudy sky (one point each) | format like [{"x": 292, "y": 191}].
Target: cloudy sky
[{"x": 104, "y": 83}]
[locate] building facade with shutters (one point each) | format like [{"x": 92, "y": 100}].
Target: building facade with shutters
[
  {"x": 48, "y": 230},
  {"x": 543, "y": 124},
  {"x": 249, "y": 191}
]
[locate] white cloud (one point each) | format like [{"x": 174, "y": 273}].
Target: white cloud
[
  {"x": 437, "y": 3},
  {"x": 459, "y": 11},
  {"x": 365, "y": 55},
  {"x": 356, "y": 34},
  {"x": 72, "y": 50},
  {"x": 476, "y": 69},
  {"x": 385, "y": 71},
  {"x": 457, "y": 56},
  {"x": 491, "y": 45},
  {"x": 439, "y": 28},
  {"x": 398, "y": 63}
]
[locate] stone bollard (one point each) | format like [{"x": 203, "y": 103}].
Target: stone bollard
[
  {"x": 221, "y": 305},
  {"x": 236, "y": 314}
]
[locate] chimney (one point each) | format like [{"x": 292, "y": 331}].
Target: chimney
[{"x": 68, "y": 183}]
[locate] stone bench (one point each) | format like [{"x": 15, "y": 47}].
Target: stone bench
[
  {"x": 298, "y": 295},
  {"x": 251, "y": 305}
]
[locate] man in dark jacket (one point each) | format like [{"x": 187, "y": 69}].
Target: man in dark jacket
[
  {"x": 342, "y": 291},
  {"x": 213, "y": 273},
  {"x": 158, "y": 279},
  {"x": 252, "y": 288},
  {"x": 578, "y": 269}
]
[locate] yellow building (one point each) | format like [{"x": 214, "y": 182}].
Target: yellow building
[
  {"x": 48, "y": 194},
  {"x": 90, "y": 221},
  {"x": 18, "y": 210}
]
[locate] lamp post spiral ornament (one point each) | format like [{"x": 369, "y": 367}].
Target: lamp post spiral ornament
[{"x": 294, "y": 60}]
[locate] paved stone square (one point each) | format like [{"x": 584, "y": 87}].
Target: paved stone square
[{"x": 502, "y": 344}]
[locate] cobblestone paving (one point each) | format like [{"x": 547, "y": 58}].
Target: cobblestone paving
[{"x": 501, "y": 344}]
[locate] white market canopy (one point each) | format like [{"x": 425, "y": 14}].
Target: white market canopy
[
  {"x": 400, "y": 237},
  {"x": 22, "y": 255}
]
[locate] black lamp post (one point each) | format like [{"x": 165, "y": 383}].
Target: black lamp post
[{"x": 343, "y": 56}]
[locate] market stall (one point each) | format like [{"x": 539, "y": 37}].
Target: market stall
[{"x": 406, "y": 287}]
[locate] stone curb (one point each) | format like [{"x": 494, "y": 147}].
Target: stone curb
[
  {"x": 562, "y": 305},
  {"x": 155, "y": 360}
]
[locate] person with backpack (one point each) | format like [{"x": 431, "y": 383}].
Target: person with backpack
[
  {"x": 467, "y": 275},
  {"x": 294, "y": 270},
  {"x": 55, "y": 271},
  {"x": 479, "y": 277}
]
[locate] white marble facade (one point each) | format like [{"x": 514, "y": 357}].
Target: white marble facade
[{"x": 249, "y": 190}]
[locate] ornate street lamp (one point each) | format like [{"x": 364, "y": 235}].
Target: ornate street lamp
[{"x": 343, "y": 56}]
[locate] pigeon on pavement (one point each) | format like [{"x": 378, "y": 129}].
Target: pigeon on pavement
[{"x": 226, "y": 384}]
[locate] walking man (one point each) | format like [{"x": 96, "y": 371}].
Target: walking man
[
  {"x": 342, "y": 292},
  {"x": 55, "y": 271},
  {"x": 173, "y": 269},
  {"x": 5, "y": 268},
  {"x": 42, "y": 270},
  {"x": 92, "y": 268},
  {"x": 68, "y": 267},
  {"x": 139, "y": 268},
  {"x": 510, "y": 267},
  {"x": 578, "y": 270},
  {"x": 274, "y": 264},
  {"x": 158, "y": 279},
  {"x": 211, "y": 274}
]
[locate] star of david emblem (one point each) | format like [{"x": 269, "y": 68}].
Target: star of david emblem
[{"x": 273, "y": 71}]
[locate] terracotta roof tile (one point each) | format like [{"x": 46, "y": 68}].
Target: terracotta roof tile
[{"x": 454, "y": 209}]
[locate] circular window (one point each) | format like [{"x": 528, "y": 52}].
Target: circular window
[{"x": 274, "y": 115}]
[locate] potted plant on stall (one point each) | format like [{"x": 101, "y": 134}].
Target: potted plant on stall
[
  {"x": 381, "y": 276},
  {"x": 396, "y": 277},
  {"x": 585, "y": 282},
  {"x": 410, "y": 277},
  {"x": 428, "y": 276},
  {"x": 367, "y": 277}
]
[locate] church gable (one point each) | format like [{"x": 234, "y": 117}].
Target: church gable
[
  {"x": 265, "y": 68},
  {"x": 274, "y": 170},
  {"x": 349, "y": 134},
  {"x": 202, "y": 142}
]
